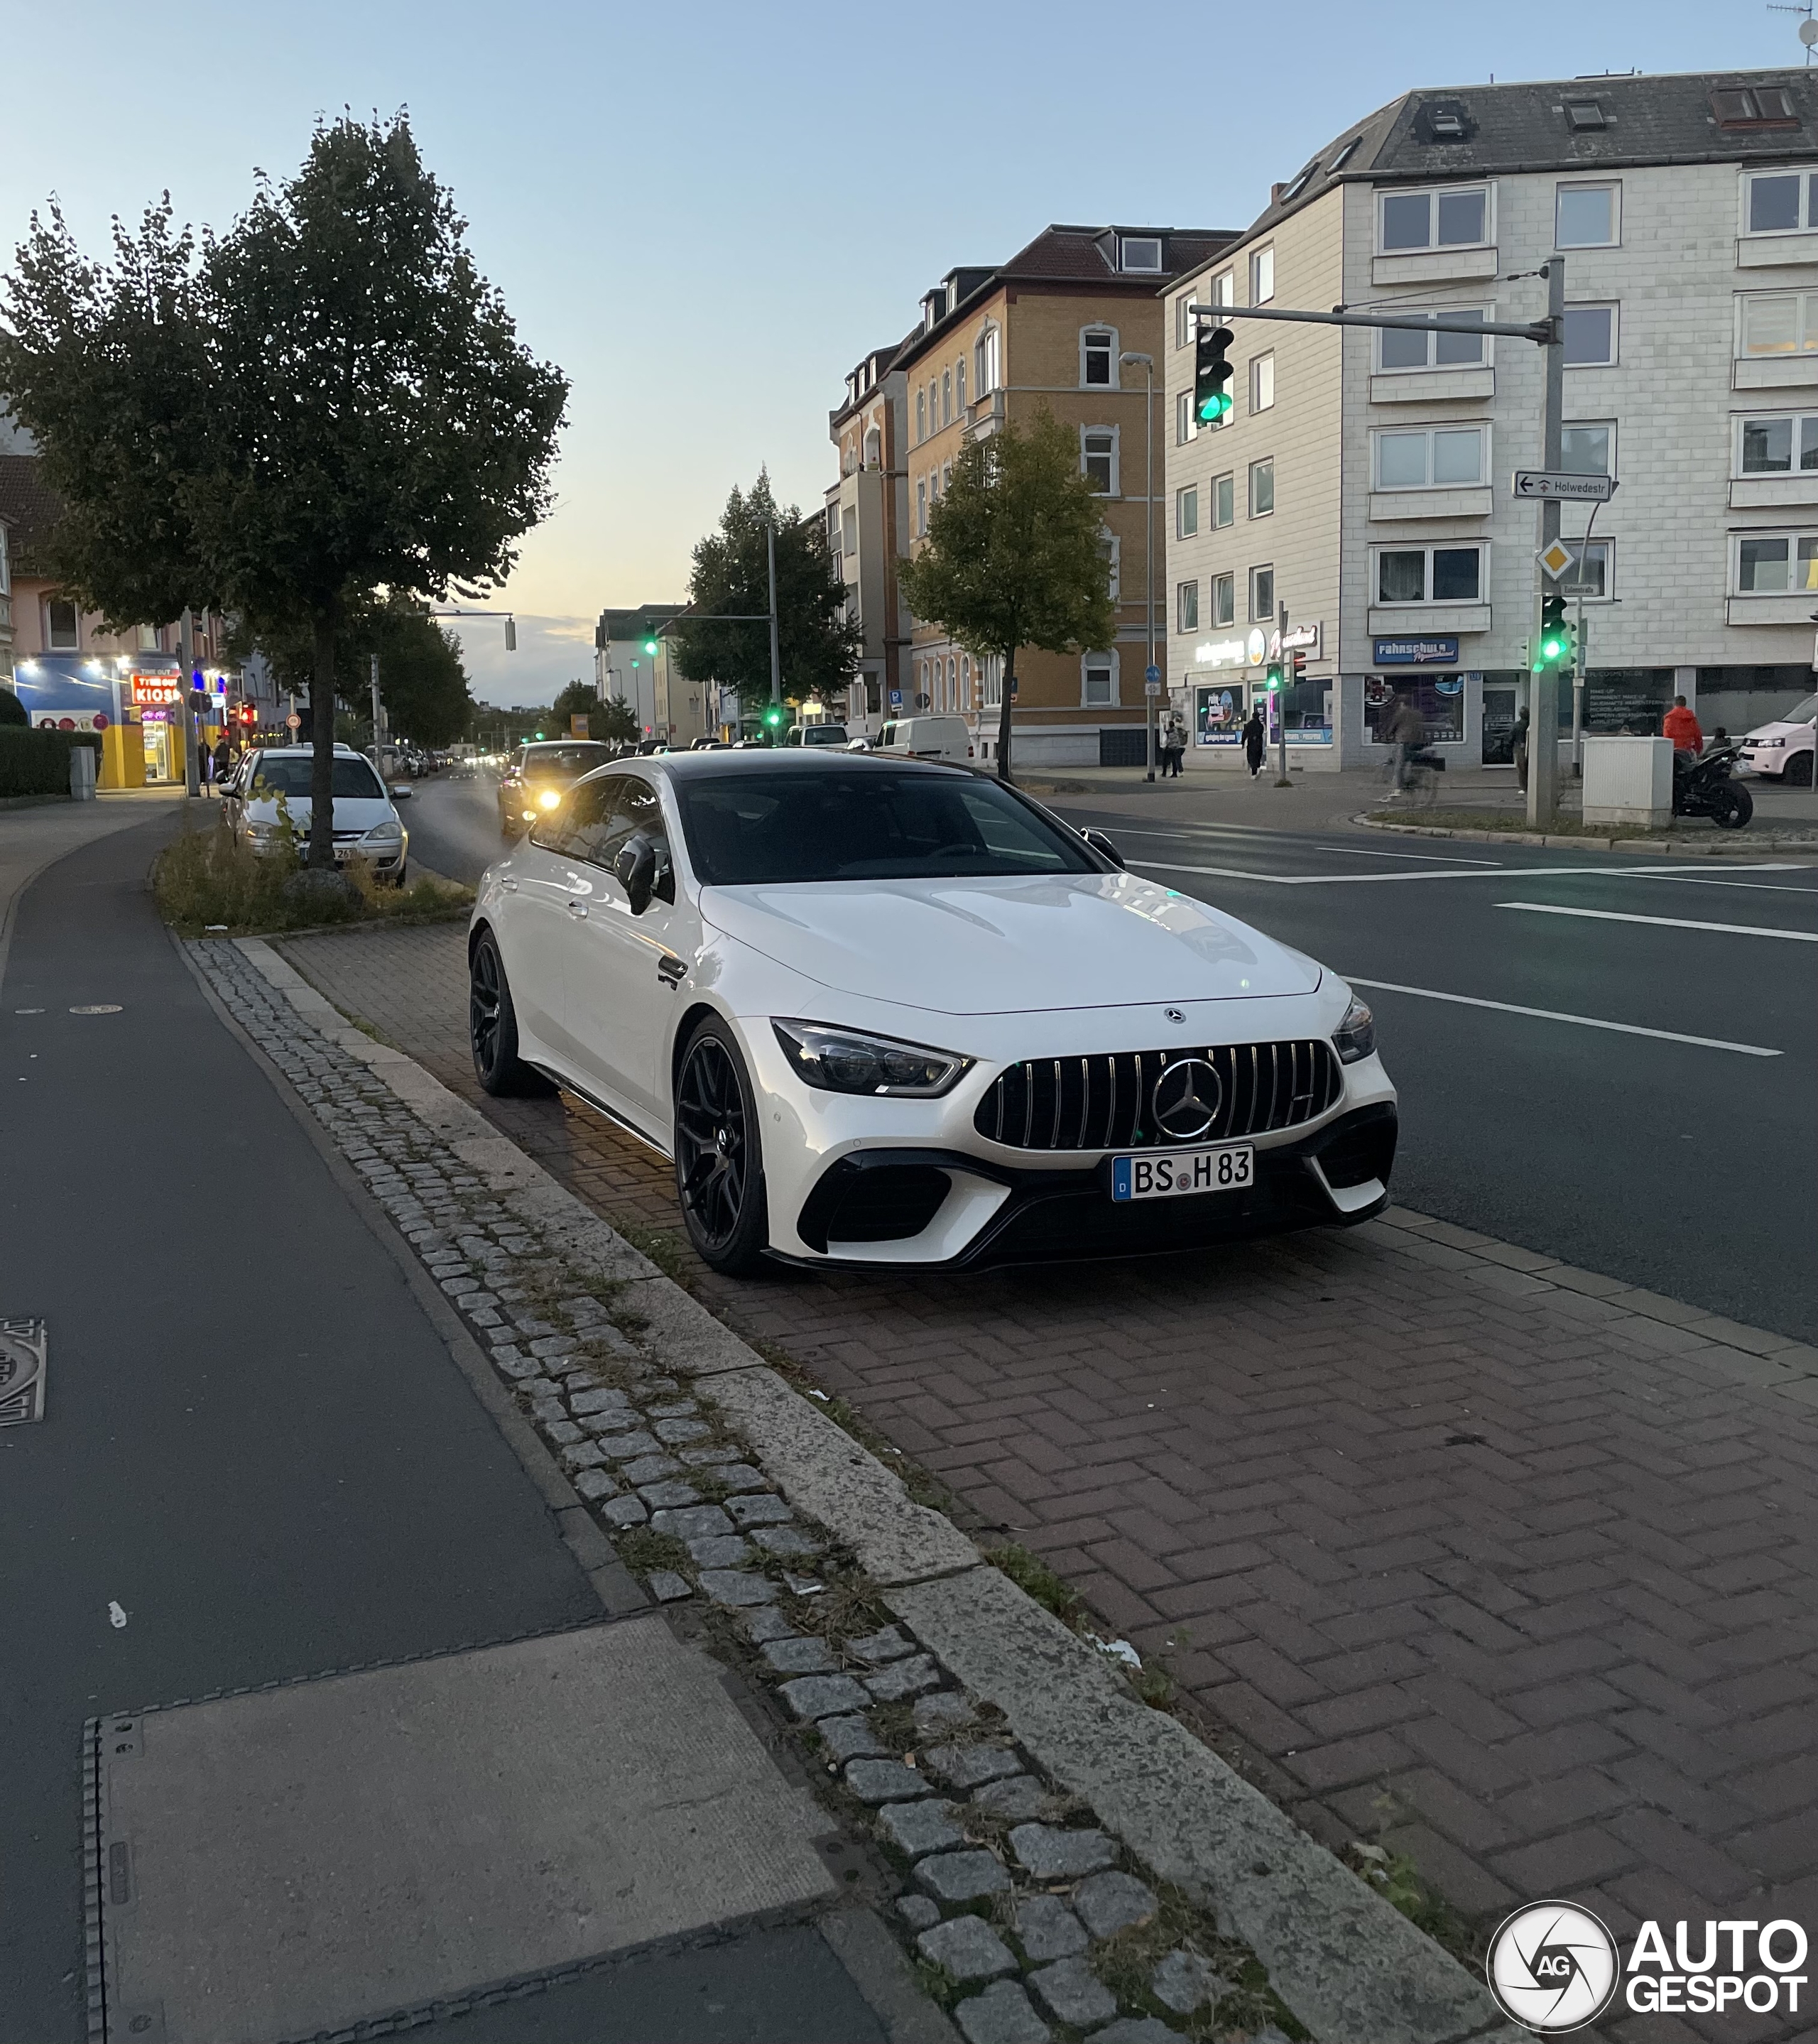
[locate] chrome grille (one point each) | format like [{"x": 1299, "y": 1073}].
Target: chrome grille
[{"x": 1102, "y": 1102}]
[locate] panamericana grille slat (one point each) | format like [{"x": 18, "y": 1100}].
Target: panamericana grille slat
[{"x": 1102, "y": 1102}]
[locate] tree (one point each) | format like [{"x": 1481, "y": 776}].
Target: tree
[
  {"x": 613, "y": 719},
  {"x": 1015, "y": 555},
  {"x": 422, "y": 681},
  {"x": 341, "y": 400},
  {"x": 817, "y": 648}
]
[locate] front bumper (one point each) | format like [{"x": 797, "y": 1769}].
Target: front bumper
[{"x": 1335, "y": 1175}]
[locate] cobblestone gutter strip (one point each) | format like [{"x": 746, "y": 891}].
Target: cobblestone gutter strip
[
  {"x": 1075, "y": 1862},
  {"x": 1696, "y": 847}
]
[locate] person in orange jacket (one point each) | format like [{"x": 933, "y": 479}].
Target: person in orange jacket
[{"x": 1681, "y": 726}]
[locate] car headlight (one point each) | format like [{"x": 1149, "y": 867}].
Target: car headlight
[
  {"x": 529, "y": 816},
  {"x": 849, "y": 1061},
  {"x": 1757, "y": 742},
  {"x": 261, "y": 833},
  {"x": 550, "y": 798},
  {"x": 391, "y": 833},
  {"x": 1355, "y": 1038}
]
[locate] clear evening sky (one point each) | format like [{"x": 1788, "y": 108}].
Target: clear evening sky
[{"x": 706, "y": 213}]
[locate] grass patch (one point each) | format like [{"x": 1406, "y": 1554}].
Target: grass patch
[
  {"x": 643, "y": 1550},
  {"x": 663, "y": 1249},
  {"x": 1397, "y": 1879},
  {"x": 1128, "y": 1959},
  {"x": 209, "y": 883},
  {"x": 1033, "y": 1576}
]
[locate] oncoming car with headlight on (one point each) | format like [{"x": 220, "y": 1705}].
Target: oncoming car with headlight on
[
  {"x": 887, "y": 1012},
  {"x": 539, "y": 774}
]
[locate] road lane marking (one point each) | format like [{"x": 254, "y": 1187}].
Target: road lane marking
[
  {"x": 1503, "y": 872},
  {"x": 1664, "y": 922},
  {"x": 1553, "y": 1015},
  {"x": 1424, "y": 857},
  {"x": 1706, "y": 880}
]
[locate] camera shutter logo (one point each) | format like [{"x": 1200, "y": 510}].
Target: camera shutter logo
[{"x": 1552, "y": 1967}]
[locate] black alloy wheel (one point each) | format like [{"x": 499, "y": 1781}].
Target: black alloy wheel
[
  {"x": 492, "y": 1026},
  {"x": 719, "y": 1158}
]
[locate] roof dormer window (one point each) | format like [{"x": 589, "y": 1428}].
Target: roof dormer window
[
  {"x": 1753, "y": 106},
  {"x": 1141, "y": 253},
  {"x": 1583, "y": 115},
  {"x": 1298, "y": 184},
  {"x": 1344, "y": 157}
]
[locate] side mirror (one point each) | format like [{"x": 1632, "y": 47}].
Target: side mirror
[
  {"x": 401, "y": 791},
  {"x": 635, "y": 870},
  {"x": 1103, "y": 846}
]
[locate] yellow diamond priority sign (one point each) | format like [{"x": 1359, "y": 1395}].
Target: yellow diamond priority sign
[{"x": 1555, "y": 559}]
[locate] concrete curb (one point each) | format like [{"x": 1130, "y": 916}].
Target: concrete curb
[
  {"x": 1353, "y": 1969},
  {"x": 1555, "y": 841}
]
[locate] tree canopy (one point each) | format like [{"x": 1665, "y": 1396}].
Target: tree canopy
[
  {"x": 817, "y": 648},
  {"x": 331, "y": 397},
  {"x": 1015, "y": 554},
  {"x": 611, "y": 718}
]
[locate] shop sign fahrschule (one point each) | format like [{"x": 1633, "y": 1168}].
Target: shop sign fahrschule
[{"x": 1436, "y": 652}]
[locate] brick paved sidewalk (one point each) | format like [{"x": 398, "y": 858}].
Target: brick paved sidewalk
[{"x": 1512, "y": 1572}]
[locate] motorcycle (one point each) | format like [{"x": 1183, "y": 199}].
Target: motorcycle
[{"x": 1702, "y": 787}]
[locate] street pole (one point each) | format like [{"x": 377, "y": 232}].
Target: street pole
[
  {"x": 377, "y": 750},
  {"x": 1542, "y": 682},
  {"x": 1151, "y": 703},
  {"x": 1281, "y": 780},
  {"x": 186, "y": 709},
  {"x": 775, "y": 656}
]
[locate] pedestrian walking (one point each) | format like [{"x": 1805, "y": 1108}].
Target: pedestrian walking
[
  {"x": 205, "y": 764},
  {"x": 223, "y": 759},
  {"x": 1255, "y": 742},
  {"x": 1174, "y": 746},
  {"x": 1406, "y": 730},
  {"x": 1681, "y": 725},
  {"x": 1519, "y": 744}
]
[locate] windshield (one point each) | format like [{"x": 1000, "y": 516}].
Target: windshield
[
  {"x": 566, "y": 762},
  {"x": 353, "y": 778},
  {"x": 869, "y": 823},
  {"x": 823, "y": 734},
  {"x": 1802, "y": 712}
]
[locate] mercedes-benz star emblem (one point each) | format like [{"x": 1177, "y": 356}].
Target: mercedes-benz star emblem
[
  {"x": 1175, "y": 1014},
  {"x": 1186, "y": 1099}
]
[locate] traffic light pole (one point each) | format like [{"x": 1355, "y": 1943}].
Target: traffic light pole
[
  {"x": 775, "y": 658},
  {"x": 1281, "y": 780}
]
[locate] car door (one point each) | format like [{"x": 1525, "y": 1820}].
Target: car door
[
  {"x": 624, "y": 971},
  {"x": 542, "y": 883}
]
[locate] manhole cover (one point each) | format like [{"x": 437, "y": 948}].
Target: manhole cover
[
  {"x": 98, "y": 1008},
  {"x": 22, "y": 1358}
]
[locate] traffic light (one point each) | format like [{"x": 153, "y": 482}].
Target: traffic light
[
  {"x": 1211, "y": 372},
  {"x": 1297, "y": 666},
  {"x": 1558, "y": 641},
  {"x": 773, "y": 721},
  {"x": 1272, "y": 676},
  {"x": 650, "y": 646}
]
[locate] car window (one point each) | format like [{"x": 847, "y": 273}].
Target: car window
[
  {"x": 354, "y": 778},
  {"x": 570, "y": 829},
  {"x": 569, "y": 760},
  {"x": 638, "y": 812},
  {"x": 868, "y": 822}
]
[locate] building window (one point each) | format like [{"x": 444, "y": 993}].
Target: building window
[
  {"x": 1262, "y": 276},
  {"x": 1401, "y": 347},
  {"x": 1223, "y": 599},
  {"x": 946, "y": 397},
  {"x": 1186, "y": 513},
  {"x": 1098, "y": 458},
  {"x": 946, "y": 478},
  {"x": 1098, "y": 682},
  {"x": 1590, "y": 336},
  {"x": 1589, "y": 450},
  {"x": 62, "y": 627},
  {"x": 1778, "y": 323},
  {"x": 960, "y": 385},
  {"x": 1592, "y": 563},
  {"x": 1109, "y": 547},
  {"x": 1429, "y": 574},
  {"x": 1454, "y": 218},
  {"x": 1224, "y": 290},
  {"x": 1262, "y": 382},
  {"x": 1587, "y": 216},
  {"x": 1186, "y": 426},
  {"x": 920, "y": 418},
  {"x": 1776, "y": 446},
  {"x": 1185, "y": 325},
  {"x": 1224, "y": 501},
  {"x": 1780, "y": 202},
  {"x": 1140, "y": 252},
  {"x": 1262, "y": 488},
  {"x": 1585, "y": 116},
  {"x": 1783, "y": 566},
  {"x": 986, "y": 361},
  {"x": 933, "y": 405},
  {"x": 1431, "y": 458},
  {"x": 1758, "y": 106},
  {"x": 921, "y": 509},
  {"x": 873, "y": 448},
  {"x": 1262, "y": 593},
  {"x": 1097, "y": 358},
  {"x": 145, "y": 639},
  {"x": 1186, "y": 607}
]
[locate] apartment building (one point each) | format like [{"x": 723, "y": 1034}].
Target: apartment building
[
  {"x": 867, "y": 526},
  {"x": 1050, "y": 327},
  {"x": 1363, "y": 477},
  {"x": 666, "y": 703}
]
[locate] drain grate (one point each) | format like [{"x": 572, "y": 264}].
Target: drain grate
[{"x": 23, "y": 1357}]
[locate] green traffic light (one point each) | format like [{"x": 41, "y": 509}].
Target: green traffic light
[
  {"x": 650, "y": 645},
  {"x": 1214, "y": 408},
  {"x": 1272, "y": 679}
]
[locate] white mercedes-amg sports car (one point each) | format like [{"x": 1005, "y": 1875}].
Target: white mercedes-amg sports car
[{"x": 880, "y": 1012}]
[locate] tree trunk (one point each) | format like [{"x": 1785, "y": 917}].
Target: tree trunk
[
  {"x": 322, "y": 742},
  {"x": 1004, "y": 716}
]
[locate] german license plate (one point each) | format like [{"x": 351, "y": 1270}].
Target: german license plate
[{"x": 1175, "y": 1174}]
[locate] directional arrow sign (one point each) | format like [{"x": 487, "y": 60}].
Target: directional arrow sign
[{"x": 1580, "y": 489}]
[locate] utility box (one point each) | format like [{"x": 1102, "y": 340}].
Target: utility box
[
  {"x": 81, "y": 773},
  {"x": 1628, "y": 781}
]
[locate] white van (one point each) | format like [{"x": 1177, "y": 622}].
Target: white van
[{"x": 927, "y": 738}]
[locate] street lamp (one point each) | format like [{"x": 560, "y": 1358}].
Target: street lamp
[{"x": 1150, "y": 706}]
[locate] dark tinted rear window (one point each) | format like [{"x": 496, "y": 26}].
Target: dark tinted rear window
[
  {"x": 572, "y": 760},
  {"x": 354, "y": 779}
]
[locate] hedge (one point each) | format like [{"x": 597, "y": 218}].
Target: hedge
[{"x": 37, "y": 763}]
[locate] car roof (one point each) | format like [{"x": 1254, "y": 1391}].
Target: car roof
[
  {"x": 795, "y": 760},
  {"x": 309, "y": 752}
]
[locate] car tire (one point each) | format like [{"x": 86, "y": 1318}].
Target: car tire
[
  {"x": 492, "y": 1026},
  {"x": 1798, "y": 773},
  {"x": 719, "y": 1153}
]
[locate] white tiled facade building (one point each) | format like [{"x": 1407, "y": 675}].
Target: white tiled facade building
[{"x": 1363, "y": 477}]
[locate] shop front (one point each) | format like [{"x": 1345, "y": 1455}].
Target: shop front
[
  {"x": 133, "y": 705},
  {"x": 1229, "y": 678}
]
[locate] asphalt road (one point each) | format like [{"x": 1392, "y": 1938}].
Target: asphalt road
[
  {"x": 1677, "y": 1149},
  {"x": 258, "y": 1460}
]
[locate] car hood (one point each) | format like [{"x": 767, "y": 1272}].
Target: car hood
[
  {"x": 360, "y": 812},
  {"x": 994, "y": 946},
  {"x": 1775, "y": 730}
]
